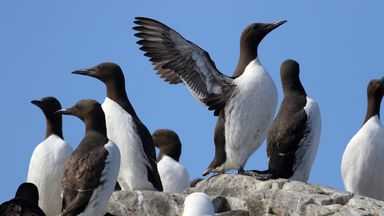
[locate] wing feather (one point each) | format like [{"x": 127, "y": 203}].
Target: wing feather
[{"x": 178, "y": 60}]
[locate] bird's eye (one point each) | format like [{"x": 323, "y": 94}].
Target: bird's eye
[{"x": 99, "y": 67}]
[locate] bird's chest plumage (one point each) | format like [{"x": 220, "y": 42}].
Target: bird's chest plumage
[
  {"x": 363, "y": 163},
  {"x": 249, "y": 113},
  {"x": 45, "y": 171},
  {"x": 121, "y": 127},
  {"x": 367, "y": 144},
  {"x": 122, "y": 130},
  {"x": 173, "y": 175}
]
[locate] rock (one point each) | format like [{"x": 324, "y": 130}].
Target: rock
[
  {"x": 285, "y": 197},
  {"x": 144, "y": 202},
  {"x": 234, "y": 213},
  {"x": 243, "y": 195}
]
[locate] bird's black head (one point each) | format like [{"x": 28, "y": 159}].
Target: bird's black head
[
  {"x": 254, "y": 33},
  {"x": 28, "y": 191},
  {"x": 90, "y": 112},
  {"x": 376, "y": 88},
  {"x": 84, "y": 109},
  {"x": 164, "y": 137},
  {"x": 168, "y": 142},
  {"x": 49, "y": 105},
  {"x": 375, "y": 92},
  {"x": 289, "y": 68},
  {"x": 105, "y": 72},
  {"x": 290, "y": 79}
]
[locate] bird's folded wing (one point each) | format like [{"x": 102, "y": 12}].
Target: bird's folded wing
[
  {"x": 285, "y": 139},
  {"x": 81, "y": 177},
  {"x": 150, "y": 154}
]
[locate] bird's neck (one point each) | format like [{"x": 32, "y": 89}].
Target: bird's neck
[
  {"x": 373, "y": 107},
  {"x": 293, "y": 87},
  {"x": 247, "y": 54},
  {"x": 96, "y": 124},
  {"x": 172, "y": 150},
  {"x": 116, "y": 90},
  {"x": 54, "y": 126}
]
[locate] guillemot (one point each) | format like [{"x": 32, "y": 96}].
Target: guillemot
[
  {"x": 138, "y": 169},
  {"x": 25, "y": 202},
  {"x": 198, "y": 203},
  {"x": 245, "y": 103},
  {"x": 174, "y": 176},
  {"x": 362, "y": 165},
  {"x": 49, "y": 157},
  {"x": 295, "y": 133},
  {"x": 90, "y": 174}
]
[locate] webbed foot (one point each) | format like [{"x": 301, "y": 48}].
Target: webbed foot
[{"x": 260, "y": 175}]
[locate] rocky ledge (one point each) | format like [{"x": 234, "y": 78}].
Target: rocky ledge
[{"x": 239, "y": 195}]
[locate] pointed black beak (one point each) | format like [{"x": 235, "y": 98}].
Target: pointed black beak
[
  {"x": 382, "y": 83},
  {"x": 274, "y": 25},
  {"x": 86, "y": 72},
  {"x": 37, "y": 103},
  {"x": 64, "y": 111}
]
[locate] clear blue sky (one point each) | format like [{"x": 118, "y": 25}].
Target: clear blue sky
[{"x": 339, "y": 45}]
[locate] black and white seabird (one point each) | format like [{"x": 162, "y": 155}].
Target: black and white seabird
[
  {"x": 245, "y": 103},
  {"x": 362, "y": 166},
  {"x": 198, "y": 203},
  {"x": 138, "y": 169},
  {"x": 49, "y": 158},
  {"x": 90, "y": 174},
  {"x": 295, "y": 133},
  {"x": 25, "y": 202},
  {"x": 174, "y": 176}
]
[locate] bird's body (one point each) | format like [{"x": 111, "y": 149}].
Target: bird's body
[
  {"x": 25, "y": 202},
  {"x": 248, "y": 116},
  {"x": 362, "y": 165},
  {"x": 245, "y": 104},
  {"x": 90, "y": 174},
  {"x": 138, "y": 169},
  {"x": 363, "y": 161},
  {"x": 48, "y": 159},
  {"x": 198, "y": 204},
  {"x": 90, "y": 194},
  {"x": 306, "y": 153},
  {"x": 122, "y": 129},
  {"x": 45, "y": 171},
  {"x": 174, "y": 175},
  {"x": 294, "y": 136}
]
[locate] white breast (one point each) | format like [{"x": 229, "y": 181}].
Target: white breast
[
  {"x": 121, "y": 129},
  {"x": 362, "y": 166},
  {"x": 173, "y": 175},
  {"x": 249, "y": 115},
  {"x": 97, "y": 204},
  {"x": 198, "y": 204},
  {"x": 306, "y": 153},
  {"x": 45, "y": 171}
]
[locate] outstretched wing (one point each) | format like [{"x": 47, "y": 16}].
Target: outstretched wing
[{"x": 179, "y": 60}]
